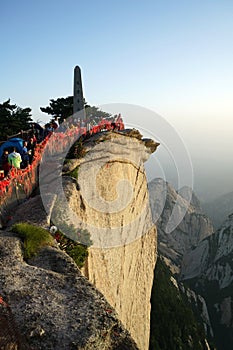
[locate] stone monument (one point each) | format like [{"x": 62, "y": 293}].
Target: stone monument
[{"x": 78, "y": 104}]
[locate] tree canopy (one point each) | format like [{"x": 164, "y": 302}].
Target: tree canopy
[
  {"x": 63, "y": 108},
  {"x": 95, "y": 114},
  {"x": 13, "y": 119}
]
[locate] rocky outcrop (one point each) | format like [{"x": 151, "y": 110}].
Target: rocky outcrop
[
  {"x": 190, "y": 233},
  {"x": 194, "y": 227},
  {"x": 53, "y": 305},
  {"x": 209, "y": 270},
  {"x": 212, "y": 257},
  {"x": 110, "y": 199},
  {"x": 200, "y": 258}
]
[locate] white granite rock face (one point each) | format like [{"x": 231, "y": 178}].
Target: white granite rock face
[{"x": 112, "y": 203}]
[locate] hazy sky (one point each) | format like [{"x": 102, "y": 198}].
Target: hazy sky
[{"x": 173, "y": 57}]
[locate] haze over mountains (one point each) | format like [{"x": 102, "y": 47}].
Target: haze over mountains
[
  {"x": 219, "y": 209},
  {"x": 209, "y": 151},
  {"x": 211, "y": 179}
]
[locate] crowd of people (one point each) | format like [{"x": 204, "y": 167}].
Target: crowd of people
[
  {"x": 21, "y": 158},
  {"x": 41, "y": 132}
]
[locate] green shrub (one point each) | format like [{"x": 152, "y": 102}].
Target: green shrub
[
  {"x": 73, "y": 173},
  {"x": 78, "y": 254},
  {"x": 77, "y": 150},
  {"x": 75, "y": 250},
  {"x": 34, "y": 238}
]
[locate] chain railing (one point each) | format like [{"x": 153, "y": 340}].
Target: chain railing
[{"x": 20, "y": 183}]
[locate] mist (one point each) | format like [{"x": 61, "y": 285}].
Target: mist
[{"x": 210, "y": 151}]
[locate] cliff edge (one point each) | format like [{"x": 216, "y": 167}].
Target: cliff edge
[
  {"x": 111, "y": 201},
  {"x": 104, "y": 195}
]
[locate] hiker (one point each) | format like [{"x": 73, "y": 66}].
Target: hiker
[
  {"x": 48, "y": 129},
  {"x": 55, "y": 123},
  {"x": 4, "y": 162},
  {"x": 31, "y": 148},
  {"x": 25, "y": 155},
  {"x": 39, "y": 131},
  {"x": 15, "y": 159}
]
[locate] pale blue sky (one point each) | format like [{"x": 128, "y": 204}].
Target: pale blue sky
[{"x": 174, "y": 57}]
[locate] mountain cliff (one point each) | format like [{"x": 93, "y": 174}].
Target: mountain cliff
[
  {"x": 200, "y": 258},
  {"x": 208, "y": 269},
  {"x": 107, "y": 201},
  {"x": 111, "y": 202},
  {"x": 194, "y": 227}
]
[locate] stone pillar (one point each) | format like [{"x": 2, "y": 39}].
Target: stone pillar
[{"x": 78, "y": 104}]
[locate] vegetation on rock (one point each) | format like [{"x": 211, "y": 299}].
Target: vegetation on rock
[
  {"x": 77, "y": 150},
  {"x": 73, "y": 173},
  {"x": 34, "y": 238},
  {"x": 76, "y": 251}
]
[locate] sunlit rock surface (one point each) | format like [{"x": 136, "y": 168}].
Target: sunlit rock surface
[{"x": 111, "y": 201}]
